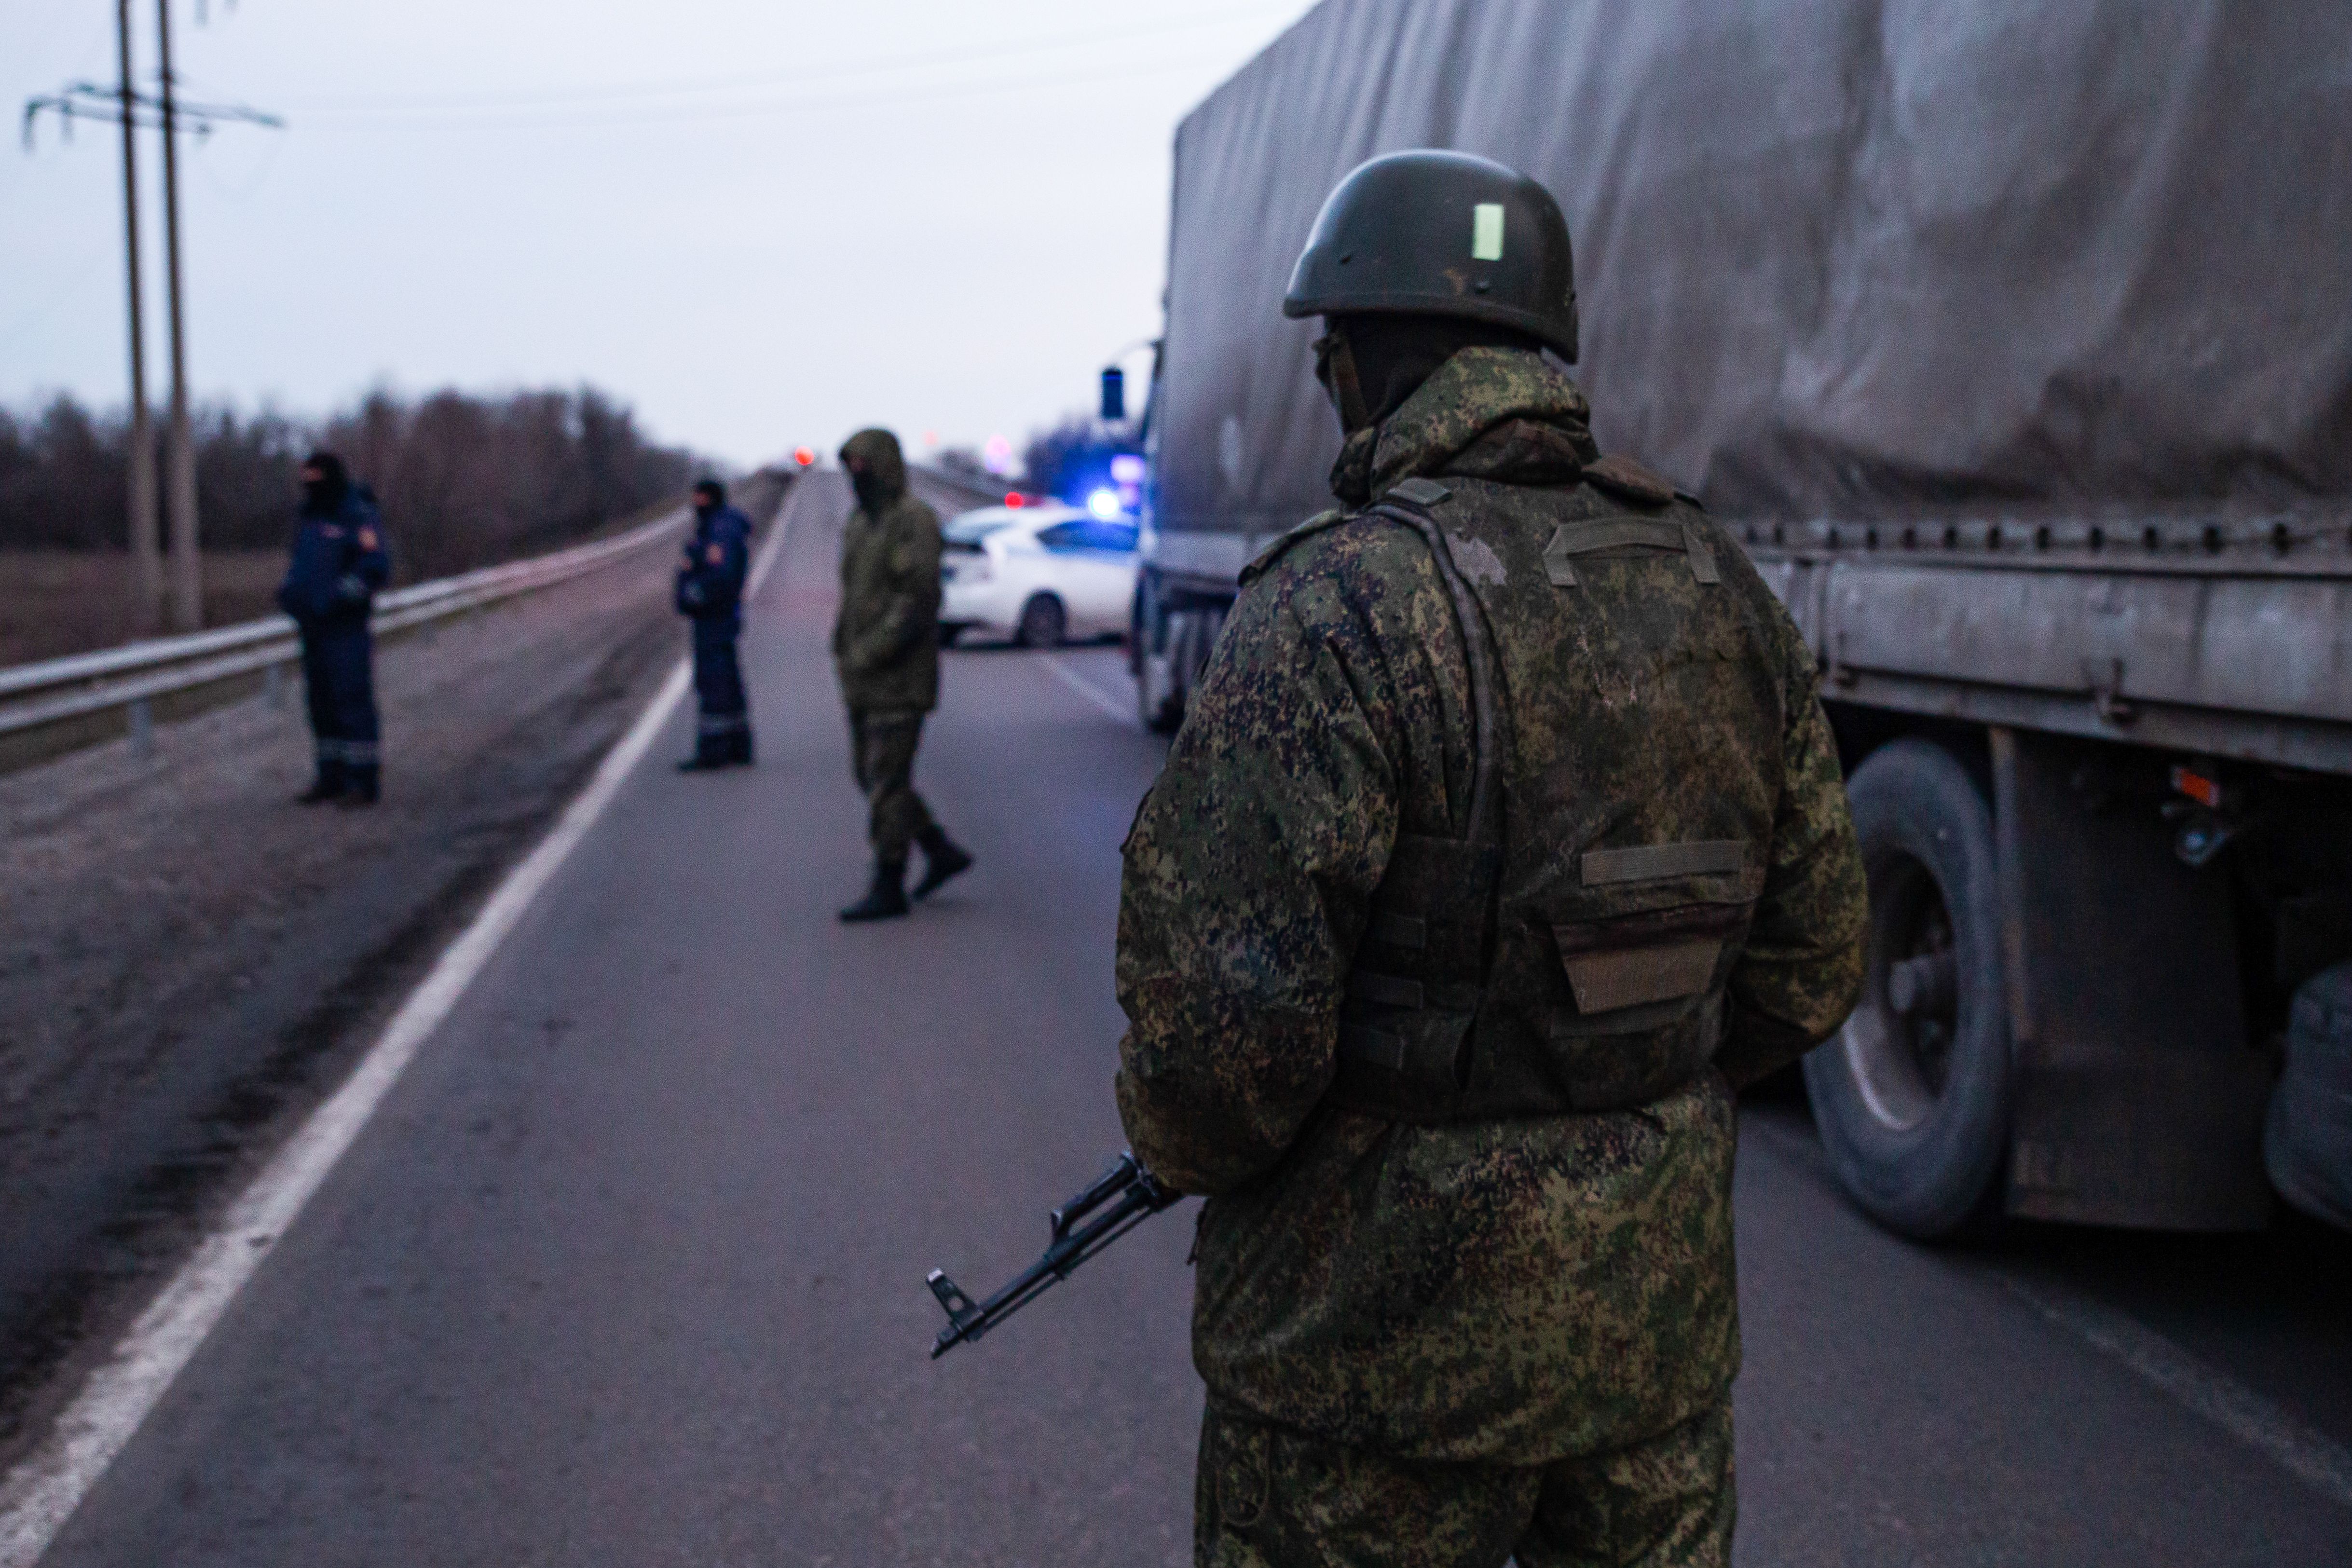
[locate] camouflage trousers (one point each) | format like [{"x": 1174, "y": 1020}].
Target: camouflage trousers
[
  {"x": 1269, "y": 1498},
  {"x": 882, "y": 743}
]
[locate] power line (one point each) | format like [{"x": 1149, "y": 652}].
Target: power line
[
  {"x": 461, "y": 104},
  {"x": 88, "y": 101},
  {"x": 894, "y": 93}
]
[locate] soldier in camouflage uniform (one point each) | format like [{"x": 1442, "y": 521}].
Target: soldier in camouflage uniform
[
  {"x": 886, "y": 651},
  {"x": 1503, "y": 842}
]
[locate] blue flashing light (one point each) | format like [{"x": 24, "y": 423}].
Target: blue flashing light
[
  {"x": 1127, "y": 469},
  {"x": 1104, "y": 504}
]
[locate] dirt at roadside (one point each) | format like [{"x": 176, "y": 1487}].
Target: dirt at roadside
[{"x": 188, "y": 959}]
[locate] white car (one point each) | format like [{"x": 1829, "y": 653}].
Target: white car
[{"x": 1039, "y": 574}]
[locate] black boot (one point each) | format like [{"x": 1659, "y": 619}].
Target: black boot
[
  {"x": 740, "y": 751},
  {"x": 364, "y": 788},
  {"x": 942, "y": 858},
  {"x": 711, "y": 753},
  {"x": 329, "y": 785},
  {"x": 886, "y": 899}
]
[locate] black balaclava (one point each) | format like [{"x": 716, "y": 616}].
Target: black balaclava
[
  {"x": 709, "y": 495},
  {"x": 1371, "y": 364},
  {"x": 324, "y": 496},
  {"x": 877, "y": 470}
]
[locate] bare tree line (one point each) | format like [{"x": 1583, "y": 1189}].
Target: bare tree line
[{"x": 463, "y": 480}]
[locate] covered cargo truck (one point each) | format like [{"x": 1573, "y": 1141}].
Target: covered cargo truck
[{"x": 2016, "y": 343}]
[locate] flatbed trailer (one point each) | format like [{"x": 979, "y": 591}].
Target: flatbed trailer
[{"x": 2016, "y": 349}]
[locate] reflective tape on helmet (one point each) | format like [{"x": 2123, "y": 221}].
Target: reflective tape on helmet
[{"x": 1487, "y": 232}]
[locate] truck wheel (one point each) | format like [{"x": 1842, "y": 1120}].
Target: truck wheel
[
  {"x": 2307, "y": 1138},
  {"x": 1043, "y": 623},
  {"x": 1157, "y": 702},
  {"x": 1158, "y": 690},
  {"x": 1911, "y": 1096}
]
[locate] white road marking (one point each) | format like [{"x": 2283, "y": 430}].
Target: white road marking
[
  {"x": 1088, "y": 690},
  {"x": 40, "y": 1495},
  {"x": 2324, "y": 1464},
  {"x": 2312, "y": 1457}
]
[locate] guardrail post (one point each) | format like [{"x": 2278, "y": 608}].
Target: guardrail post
[
  {"x": 273, "y": 685},
  {"x": 143, "y": 729}
]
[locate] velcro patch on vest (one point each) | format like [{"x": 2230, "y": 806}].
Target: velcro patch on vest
[
  {"x": 1609, "y": 980},
  {"x": 1598, "y": 534},
  {"x": 1654, "y": 863}
]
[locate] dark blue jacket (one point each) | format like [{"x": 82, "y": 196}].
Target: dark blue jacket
[
  {"x": 339, "y": 563},
  {"x": 717, "y": 559}
]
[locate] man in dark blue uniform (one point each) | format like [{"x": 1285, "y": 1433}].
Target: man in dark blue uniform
[
  {"x": 339, "y": 563},
  {"x": 711, "y": 592}
]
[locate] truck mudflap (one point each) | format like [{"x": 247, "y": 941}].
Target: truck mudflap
[
  {"x": 2308, "y": 1137},
  {"x": 2137, "y": 1099}
]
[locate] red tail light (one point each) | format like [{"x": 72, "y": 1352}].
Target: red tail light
[{"x": 2206, "y": 792}]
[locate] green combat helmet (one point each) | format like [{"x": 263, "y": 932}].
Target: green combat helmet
[{"x": 1441, "y": 234}]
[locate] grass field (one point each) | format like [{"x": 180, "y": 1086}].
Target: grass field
[{"x": 69, "y": 601}]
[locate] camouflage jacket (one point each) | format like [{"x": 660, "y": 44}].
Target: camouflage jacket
[
  {"x": 1512, "y": 1291},
  {"x": 886, "y": 640}
]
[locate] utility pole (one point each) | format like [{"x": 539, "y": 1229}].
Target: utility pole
[
  {"x": 187, "y": 570},
  {"x": 135, "y": 111},
  {"x": 146, "y": 556}
]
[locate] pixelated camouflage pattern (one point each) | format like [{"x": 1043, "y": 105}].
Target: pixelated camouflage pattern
[
  {"x": 1488, "y": 411},
  {"x": 886, "y": 638},
  {"x": 1267, "y": 1498},
  {"x": 1516, "y": 1290},
  {"x": 882, "y": 745}
]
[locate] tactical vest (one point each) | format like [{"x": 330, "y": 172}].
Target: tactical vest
[{"x": 1569, "y": 948}]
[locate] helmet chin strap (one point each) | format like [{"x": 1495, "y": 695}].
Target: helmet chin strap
[{"x": 1335, "y": 367}]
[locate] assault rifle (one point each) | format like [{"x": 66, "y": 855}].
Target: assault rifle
[{"x": 1120, "y": 1200}]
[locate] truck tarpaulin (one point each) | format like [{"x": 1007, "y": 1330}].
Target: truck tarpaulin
[{"x": 1836, "y": 258}]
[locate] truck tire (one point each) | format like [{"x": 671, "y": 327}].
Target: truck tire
[
  {"x": 1911, "y": 1096},
  {"x": 1160, "y": 681},
  {"x": 2307, "y": 1138},
  {"x": 1159, "y": 701}
]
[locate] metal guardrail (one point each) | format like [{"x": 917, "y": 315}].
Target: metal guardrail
[
  {"x": 62, "y": 704},
  {"x": 980, "y": 489}
]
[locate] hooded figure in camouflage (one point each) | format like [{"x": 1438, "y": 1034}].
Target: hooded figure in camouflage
[
  {"x": 1503, "y": 842},
  {"x": 886, "y": 649}
]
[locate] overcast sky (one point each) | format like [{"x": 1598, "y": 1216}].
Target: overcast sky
[{"x": 760, "y": 224}]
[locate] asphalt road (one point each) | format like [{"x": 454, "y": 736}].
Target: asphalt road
[
  {"x": 186, "y": 957},
  {"x": 628, "y": 1268}
]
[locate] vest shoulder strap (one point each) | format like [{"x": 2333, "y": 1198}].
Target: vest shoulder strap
[
  {"x": 1409, "y": 502},
  {"x": 1264, "y": 560}
]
